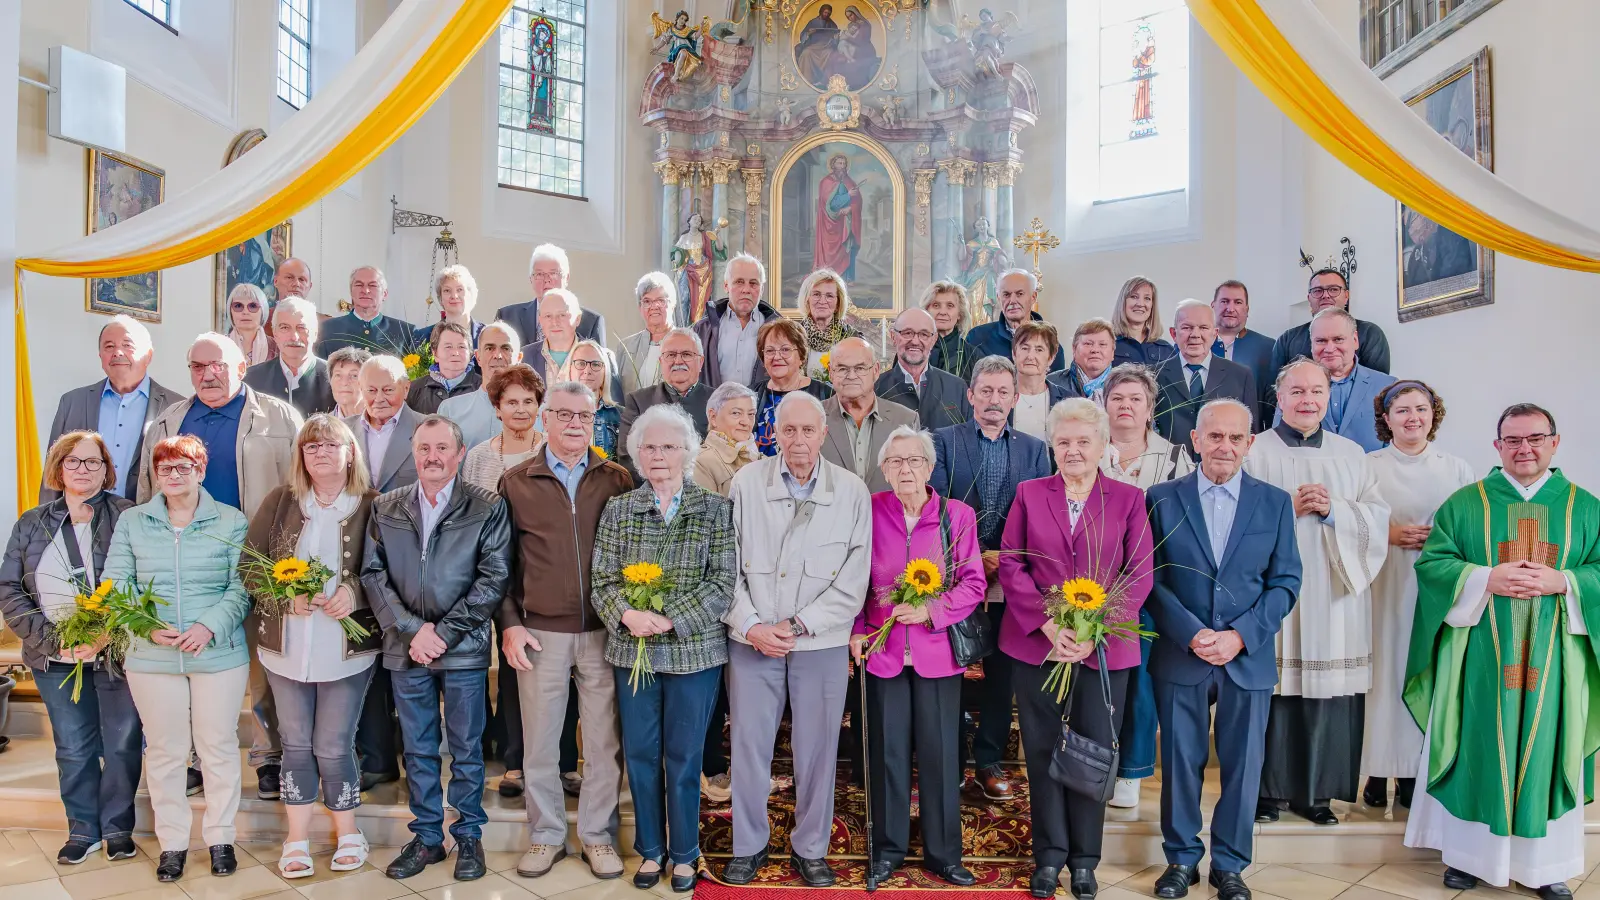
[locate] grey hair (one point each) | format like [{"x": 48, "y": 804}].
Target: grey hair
[
  {"x": 799, "y": 398},
  {"x": 1078, "y": 409},
  {"x": 1228, "y": 402},
  {"x": 689, "y": 333},
  {"x": 307, "y": 311},
  {"x": 992, "y": 364},
  {"x": 356, "y": 356},
  {"x": 436, "y": 419},
  {"x": 550, "y": 253},
  {"x": 462, "y": 277},
  {"x": 575, "y": 388},
  {"x": 726, "y": 393},
  {"x": 574, "y": 307},
  {"x": 505, "y": 328},
  {"x": 911, "y": 432},
  {"x": 231, "y": 353},
  {"x": 390, "y": 366},
  {"x": 671, "y": 415},
  {"x": 803, "y": 296},
  {"x": 1191, "y": 303},
  {"x": 254, "y": 293},
  {"x": 1335, "y": 312},
  {"x": 1134, "y": 373},
  {"x": 383, "y": 283},
  {"x": 761, "y": 269},
  {"x": 964, "y": 315},
  {"x": 658, "y": 281},
  {"x": 1033, "y": 280},
  {"x": 1283, "y": 373},
  {"x": 135, "y": 328}
]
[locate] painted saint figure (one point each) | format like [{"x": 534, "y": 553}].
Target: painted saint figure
[
  {"x": 813, "y": 53},
  {"x": 693, "y": 256},
  {"x": 838, "y": 220},
  {"x": 542, "y": 73},
  {"x": 1144, "y": 70}
]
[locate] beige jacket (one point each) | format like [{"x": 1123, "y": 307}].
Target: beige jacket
[
  {"x": 810, "y": 559},
  {"x": 885, "y": 417},
  {"x": 264, "y": 446},
  {"x": 719, "y": 459}
]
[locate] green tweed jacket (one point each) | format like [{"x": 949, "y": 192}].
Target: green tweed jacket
[{"x": 696, "y": 554}]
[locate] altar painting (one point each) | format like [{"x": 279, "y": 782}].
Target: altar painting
[{"x": 837, "y": 37}]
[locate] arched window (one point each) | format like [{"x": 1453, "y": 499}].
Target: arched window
[
  {"x": 1144, "y": 98},
  {"x": 294, "y": 52},
  {"x": 541, "y": 96}
]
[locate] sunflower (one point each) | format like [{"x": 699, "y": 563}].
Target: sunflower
[
  {"x": 287, "y": 570},
  {"x": 410, "y": 360},
  {"x": 102, "y": 591},
  {"x": 922, "y": 576},
  {"x": 823, "y": 361},
  {"x": 598, "y": 452},
  {"x": 1084, "y": 593},
  {"x": 642, "y": 573}
]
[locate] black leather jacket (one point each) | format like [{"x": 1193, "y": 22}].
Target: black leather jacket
[
  {"x": 456, "y": 584},
  {"x": 19, "y": 594}
]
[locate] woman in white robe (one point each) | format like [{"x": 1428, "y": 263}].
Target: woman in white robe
[{"x": 1415, "y": 478}]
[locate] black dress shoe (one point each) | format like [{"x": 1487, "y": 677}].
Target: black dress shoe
[
  {"x": 223, "y": 862},
  {"x": 1044, "y": 881},
  {"x": 370, "y": 780},
  {"x": 121, "y": 848},
  {"x": 193, "y": 782},
  {"x": 1376, "y": 793},
  {"x": 269, "y": 782},
  {"x": 957, "y": 875},
  {"x": 1176, "y": 881},
  {"x": 882, "y": 870},
  {"x": 814, "y": 872},
  {"x": 1316, "y": 815},
  {"x": 1557, "y": 891},
  {"x": 683, "y": 884},
  {"x": 75, "y": 851},
  {"x": 413, "y": 858},
  {"x": 469, "y": 859},
  {"x": 743, "y": 869},
  {"x": 643, "y": 880},
  {"x": 1229, "y": 885},
  {"x": 1266, "y": 812},
  {"x": 1404, "y": 789},
  {"x": 1457, "y": 880},
  {"x": 170, "y": 866},
  {"x": 1083, "y": 884}
]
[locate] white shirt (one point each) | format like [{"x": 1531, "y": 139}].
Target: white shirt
[
  {"x": 378, "y": 442},
  {"x": 291, "y": 376},
  {"x": 1030, "y": 414},
  {"x": 313, "y": 646},
  {"x": 432, "y": 511},
  {"x": 650, "y": 367},
  {"x": 58, "y": 594},
  {"x": 1205, "y": 368}
]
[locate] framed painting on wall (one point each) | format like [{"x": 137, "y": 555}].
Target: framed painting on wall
[
  {"x": 253, "y": 262},
  {"x": 1440, "y": 271},
  {"x": 121, "y": 187}
]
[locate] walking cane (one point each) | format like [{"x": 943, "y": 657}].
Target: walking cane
[{"x": 866, "y": 772}]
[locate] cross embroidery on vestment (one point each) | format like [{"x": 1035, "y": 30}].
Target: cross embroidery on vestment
[{"x": 1525, "y": 547}]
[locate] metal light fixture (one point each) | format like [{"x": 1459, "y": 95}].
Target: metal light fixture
[{"x": 444, "y": 245}]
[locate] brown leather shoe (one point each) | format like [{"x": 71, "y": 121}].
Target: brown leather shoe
[{"x": 992, "y": 781}]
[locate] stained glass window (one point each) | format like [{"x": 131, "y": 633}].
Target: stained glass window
[
  {"x": 1144, "y": 98},
  {"x": 541, "y": 96},
  {"x": 160, "y": 10},
  {"x": 294, "y": 52}
]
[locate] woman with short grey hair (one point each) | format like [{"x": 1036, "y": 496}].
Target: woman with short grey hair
[
  {"x": 344, "y": 374},
  {"x": 729, "y": 445},
  {"x": 248, "y": 315}
]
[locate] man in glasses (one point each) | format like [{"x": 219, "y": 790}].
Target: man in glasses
[
  {"x": 548, "y": 269},
  {"x": 1329, "y": 289},
  {"x": 939, "y": 398},
  {"x": 1506, "y": 584},
  {"x": 681, "y": 360},
  {"x": 857, "y": 423}
]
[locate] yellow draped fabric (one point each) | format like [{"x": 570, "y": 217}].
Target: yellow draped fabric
[{"x": 1248, "y": 35}]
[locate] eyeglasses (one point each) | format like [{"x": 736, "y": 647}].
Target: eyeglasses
[
  {"x": 167, "y": 470},
  {"x": 861, "y": 371},
  {"x": 680, "y": 356},
  {"x": 588, "y": 365},
  {"x": 659, "y": 449},
  {"x": 566, "y": 415},
  {"x": 900, "y": 462},
  {"x": 653, "y": 301},
  {"x": 778, "y": 353},
  {"x": 315, "y": 449},
  {"x": 1533, "y": 440},
  {"x": 241, "y": 306},
  {"x": 74, "y": 463},
  {"x": 1331, "y": 290},
  {"x": 198, "y": 367},
  {"x": 919, "y": 335}
]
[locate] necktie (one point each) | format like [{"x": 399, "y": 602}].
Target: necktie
[{"x": 1196, "y": 383}]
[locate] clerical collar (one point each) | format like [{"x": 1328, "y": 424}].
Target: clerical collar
[
  {"x": 1293, "y": 438},
  {"x": 1532, "y": 490}
]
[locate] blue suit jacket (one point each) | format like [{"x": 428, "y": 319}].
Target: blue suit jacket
[
  {"x": 991, "y": 339},
  {"x": 1253, "y": 350},
  {"x": 958, "y": 460},
  {"x": 1360, "y": 416},
  {"x": 1249, "y": 590}
]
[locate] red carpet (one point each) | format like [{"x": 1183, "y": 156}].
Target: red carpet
[{"x": 995, "y": 882}]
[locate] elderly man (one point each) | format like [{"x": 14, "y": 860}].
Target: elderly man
[
  {"x": 728, "y": 329},
  {"x": 1251, "y": 349},
  {"x": 1329, "y": 290},
  {"x": 1196, "y": 376},
  {"x": 858, "y": 424},
  {"x": 365, "y": 325},
  {"x": 681, "y": 360},
  {"x": 1218, "y": 602},
  {"x": 560, "y": 314},
  {"x": 295, "y": 376},
  {"x": 550, "y": 632},
  {"x": 1019, "y": 294},
  {"x": 939, "y": 398},
  {"x": 1325, "y": 649},
  {"x": 385, "y": 427},
  {"x": 121, "y": 406},
  {"x": 452, "y": 373},
  {"x": 639, "y": 354},
  {"x": 434, "y": 590},
  {"x": 794, "y": 513},
  {"x": 1094, "y": 346},
  {"x": 548, "y": 270},
  {"x": 249, "y": 440},
  {"x": 292, "y": 279},
  {"x": 1335, "y": 345},
  {"x": 980, "y": 462},
  {"x": 499, "y": 348}
]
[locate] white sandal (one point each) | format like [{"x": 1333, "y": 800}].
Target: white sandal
[
  {"x": 296, "y": 853},
  {"x": 350, "y": 845}
]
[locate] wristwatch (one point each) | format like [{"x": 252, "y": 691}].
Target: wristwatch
[{"x": 795, "y": 628}]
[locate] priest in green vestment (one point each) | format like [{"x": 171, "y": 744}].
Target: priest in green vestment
[{"x": 1503, "y": 673}]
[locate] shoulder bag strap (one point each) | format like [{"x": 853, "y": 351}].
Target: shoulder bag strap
[{"x": 1105, "y": 689}]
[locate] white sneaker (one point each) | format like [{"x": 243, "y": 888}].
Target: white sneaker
[
  {"x": 716, "y": 789},
  {"x": 1126, "y": 795}
]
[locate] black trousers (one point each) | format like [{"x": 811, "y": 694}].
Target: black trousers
[
  {"x": 1067, "y": 827},
  {"x": 992, "y": 700},
  {"x": 378, "y": 731},
  {"x": 713, "y": 757},
  {"x": 504, "y": 731},
  {"x": 909, "y": 713}
]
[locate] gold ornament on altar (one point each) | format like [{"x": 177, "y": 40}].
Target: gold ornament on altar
[
  {"x": 787, "y": 80},
  {"x": 682, "y": 43},
  {"x": 838, "y": 107},
  {"x": 890, "y": 81},
  {"x": 1035, "y": 241}
]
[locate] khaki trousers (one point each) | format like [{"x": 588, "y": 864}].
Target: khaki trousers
[
  {"x": 184, "y": 712},
  {"x": 543, "y": 695}
]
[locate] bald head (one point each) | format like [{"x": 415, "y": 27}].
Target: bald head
[
  {"x": 853, "y": 369},
  {"x": 293, "y": 278},
  {"x": 914, "y": 333}
]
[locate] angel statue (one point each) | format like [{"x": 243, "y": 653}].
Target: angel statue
[
  {"x": 987, "y": 38},
  {"x": 681, "y": 43},
  {"x": 982, "y": 260},
  {"x": 694, "y": 255}
]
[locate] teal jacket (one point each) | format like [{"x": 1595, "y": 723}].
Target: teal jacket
[{"x": 196, "y": 571}]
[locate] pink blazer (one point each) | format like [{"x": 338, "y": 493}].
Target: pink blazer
[
  {"x": 891, "y": 551},
  {"x": 1040, "y": 549}
]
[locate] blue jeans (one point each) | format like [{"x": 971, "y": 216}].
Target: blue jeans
[
  {"x": 102, "y": 726},
  {"x": 1138, "y": 736},
  {"x": 317, "y": 723},
  {"x": 416, "y": 700},
  {"x": 664, "y": 727}
]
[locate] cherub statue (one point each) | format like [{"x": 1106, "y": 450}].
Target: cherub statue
[
  {"x": 681, "y": 43},
  {"x": 987, "y": 39},
  {"x": 891, "y": 111},
  {"x": 785, "y": 112}
]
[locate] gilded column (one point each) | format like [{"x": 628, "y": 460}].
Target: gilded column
[
  {"x": 720, "y": 170},
  {"x": 754, "y": 177},
  {"x": 671, "y": 172},
  {"x": 922, "y": 246}
]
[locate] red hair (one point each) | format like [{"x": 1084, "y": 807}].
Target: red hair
[{"x": 183, "y": 446}]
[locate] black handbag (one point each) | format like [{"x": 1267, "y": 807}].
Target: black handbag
[
  {"x": 972, "y": 638},
  {"x": 1082, "y": 764}
]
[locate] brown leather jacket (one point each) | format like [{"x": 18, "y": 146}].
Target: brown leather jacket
[{"x": 552, "y": 539}]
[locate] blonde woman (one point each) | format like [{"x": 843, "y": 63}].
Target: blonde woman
[
  {"x": 824, "y": 298},
  {"x": 947, "y": 302},
  {"x": 457, "y": 293},
  {"x": 1137, "y": 322}
]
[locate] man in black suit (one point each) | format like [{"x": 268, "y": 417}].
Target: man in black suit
[
  {"x": 1328, "y": 288},
  {"x": 939, "y": 398},
  {"x": 548, "y": 268},
  {"x": 1251, "y": 349},
  {"x": 1195, "y": 377},
  {"x": 681, "y": 359},
  {"x": 365, "y": 325},
  {"x": 295, "y": 376}
]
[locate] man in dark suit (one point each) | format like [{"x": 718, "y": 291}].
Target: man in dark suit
[
  {"x": 294, "y": 327},
  {"x": 548, "y": 268},
  {"x": 1195, "y": 376},
  {"x": 365, "y": 325},
  {"x": 1019, "y": 293},
  {"x": 681, "y": 359},
  {"x": 939, "y": 398},
  {"x": 1251, "y": 349},
  {"x": 986, "y": 445},
  {"x": 1227, "y": 571},
  {"x": 1328, "y": 288},
  {"x": 384, "y": 428},
  {"x": 120, "y": 406}
]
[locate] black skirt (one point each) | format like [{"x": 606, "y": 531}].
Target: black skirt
[{"x": 1313, "y": 751}]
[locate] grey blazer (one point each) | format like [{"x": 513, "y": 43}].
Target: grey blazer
[
  {"x": 524, "y": 317},
  {"x": 838, "y": 450},
  {"x": 314, "y": 395},
  {"x": 79, "y": 410},
  {"x": 631, "y": 352},
  {"x": 1176, "y": 410},
  {"x": 397, "y": 469},
  {"x": 1360, "y": 422}
]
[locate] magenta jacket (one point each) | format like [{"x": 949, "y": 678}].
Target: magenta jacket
[
  {"x": 1040, "y": 549},
  {"x": 892, "y": 550}
]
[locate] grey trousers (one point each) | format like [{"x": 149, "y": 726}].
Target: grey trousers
[
  {"x": 815, "y": 683},
  {"x": 266, "y": 749}
]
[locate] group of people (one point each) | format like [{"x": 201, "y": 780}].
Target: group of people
[{"x": 699, "y": 531}]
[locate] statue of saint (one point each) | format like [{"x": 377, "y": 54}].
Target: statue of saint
[
  {"x": 693, "y": 256},
  {"x": 681, "y": 43},
  {"x": 982, "y": 260}
]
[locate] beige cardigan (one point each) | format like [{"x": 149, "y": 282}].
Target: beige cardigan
[{"x": 719, "y": 458}]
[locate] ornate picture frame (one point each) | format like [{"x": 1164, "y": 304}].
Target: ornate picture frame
[
  {"x": 255, "y": 261},
  {"x": 120, "y": 187}
]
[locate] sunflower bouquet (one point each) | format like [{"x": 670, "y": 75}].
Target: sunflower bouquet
[
  {"x": 1088, "y": 608},
  {"x": 419, "y": 361},
  {"x": 919, "y": 585},
  {"x": 645, "y": 590},
  {"x": 820, "y": 373},
  {"x": 109, "y": 615},
  {"x": 275, "y": 584}
]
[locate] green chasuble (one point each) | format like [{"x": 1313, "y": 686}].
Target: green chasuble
[{"x": 1509, "y": 700}]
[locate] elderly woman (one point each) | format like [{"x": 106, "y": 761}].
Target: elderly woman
[
  {"x": 728, "y": 447},
  {"x": 590, "y": 365},
  {"x": 914, "y": 694},
  {"x": 1137, "y": 322},
  {"x": 825, "y": 298},
  {"x": 247, "y": 323},
  {"x": 639, "y": 354},
  {"x": 1033, "y": 348},
  {"x": 457, "y": 293},
  {"x": 1074, "y": 524},
  {"x": 1415, "y": 477},
  {"x": 188, "y": 680},
  {"x": 318, "y": 675},
  {"x": 58, "y": 550},
  {"x": 687, "y": 531},
  {"x": 947, "y": 301},
  {"x": 781, "y": 344},
  {"x": 344, "y": 373}
]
